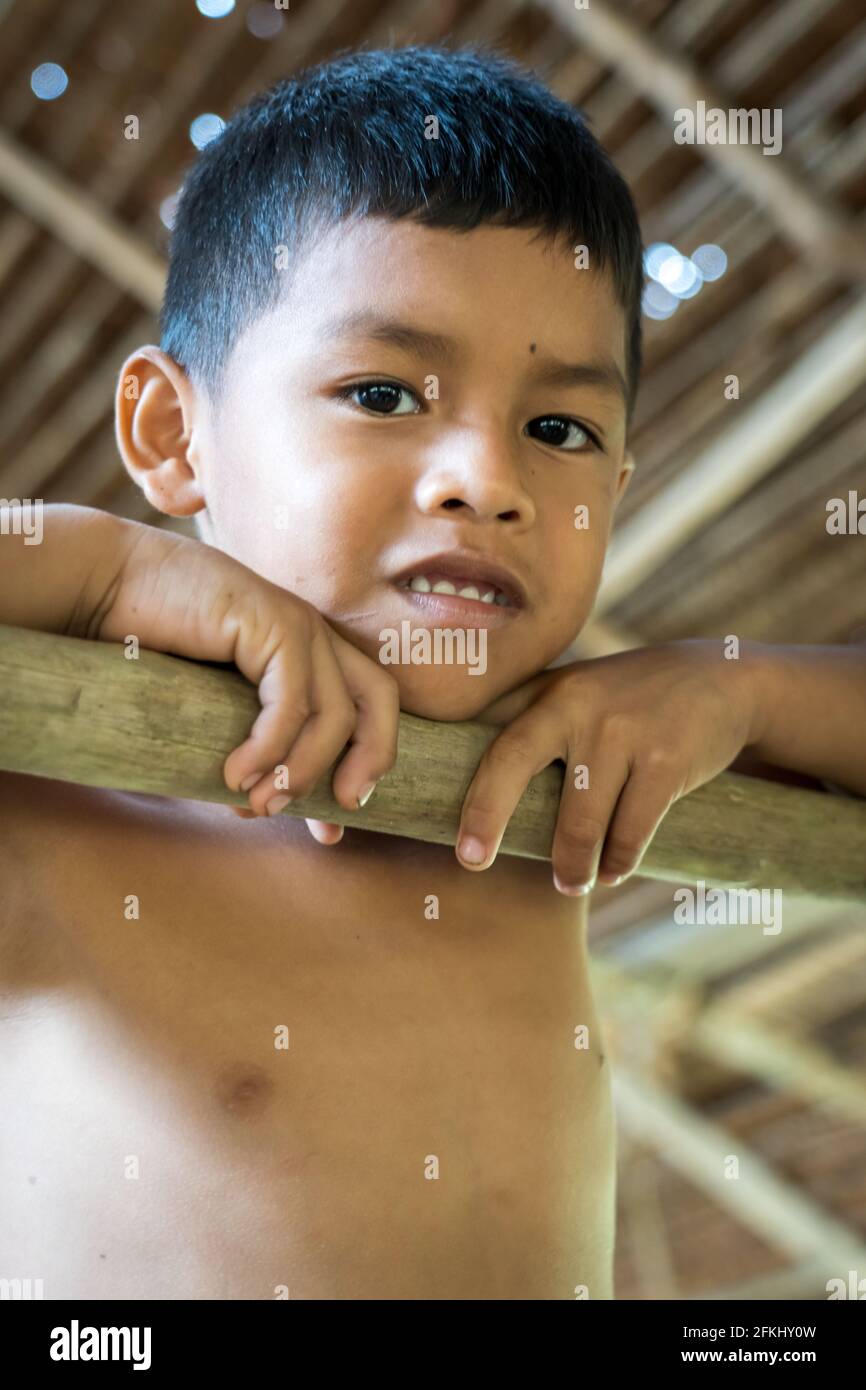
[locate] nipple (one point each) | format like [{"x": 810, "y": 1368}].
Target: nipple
[{"x": 244, "y": 1089}]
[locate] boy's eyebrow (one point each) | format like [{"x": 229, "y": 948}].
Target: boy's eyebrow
[
  {"x": 549, "y": 371},
  {"x": 604, "y": 374},
  {"x": 366, "y": 323}
]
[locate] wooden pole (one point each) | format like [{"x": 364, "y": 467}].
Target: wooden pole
[
  {"x": 74, "y": 217},
  {"x": 729, "y": 1036},
  {"x": 760, "y": 435},
  {"x": 80, "y": 711},
  {"x": 810, "y": 220},
  {"x": 768, "y": 1203}
]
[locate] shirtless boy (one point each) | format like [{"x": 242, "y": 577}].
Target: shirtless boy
[{"x": 349, "y": 396}]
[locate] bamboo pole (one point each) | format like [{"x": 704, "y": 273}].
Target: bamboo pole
[
  {"x": 74, "y": 217},
  {"x": 761, "y": 434},
  {"x": 729, "y": 1036},
  {"x": 80, "y": 711},
  {"x": 765, "y": 1201},
  {"x": 812, "y": 222}
]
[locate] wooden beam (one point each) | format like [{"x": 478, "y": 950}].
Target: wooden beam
[
  {"x": 765, "y": 1202},
  {"x": 78, "y": 219},
  {"x": 94, "y": 470},
  {"x": 672, "y": 1013},
  {"x": 760, "y": 437},
  {"x": 687, "y": 383},
  {"x": 650, "y": 939},
  {"x": 728, "y": 576},
  {"x": 30, "y": 472},
  {"x": 671, "y": 82},
  {"x": 804, "y": 991},
  {"x": 57, "y": 356},
  {"x": 802, "y": 1068},
  {"x": 78, "y": 711}
]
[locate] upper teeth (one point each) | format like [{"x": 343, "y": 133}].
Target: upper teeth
[{"x": 422, "y": 585}]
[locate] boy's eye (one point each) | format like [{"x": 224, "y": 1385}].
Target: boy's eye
[
  {"x": 382, "y": 397},
  {"x": 554, "y": 430}
]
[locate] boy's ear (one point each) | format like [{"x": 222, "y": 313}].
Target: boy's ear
[
  {"x": 153, "y": 410},
  {"x": 628, "y": 468}
]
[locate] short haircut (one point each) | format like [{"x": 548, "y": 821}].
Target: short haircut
[{"x": 346, "y": 138}]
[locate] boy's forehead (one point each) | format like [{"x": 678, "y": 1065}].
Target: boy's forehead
[{"x": 364, "y": 279}]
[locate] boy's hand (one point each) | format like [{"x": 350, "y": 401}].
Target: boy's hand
[
  {"x": 648, "y": 725},
  {"x": 316, "y": 690}
]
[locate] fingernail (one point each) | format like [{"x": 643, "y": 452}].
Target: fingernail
[
  {"x": 471, "y": 850},
  {"x": 574, "y": 890},
  {"x": 250, "y": 781},
  {"x": 366, "y": 793},
  {"x": 611, "y": 880},
  {"x": 277, "y": 804}
]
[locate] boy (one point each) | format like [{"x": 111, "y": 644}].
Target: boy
[{"x": 389, "y": 383}]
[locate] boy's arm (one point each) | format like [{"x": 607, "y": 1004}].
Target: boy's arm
[
  {"x": 811, "y": 712},
  {"x": 63, "y": 583},
  {"x": 97, "y": 576},
  {"x": 641, "y": 729}
]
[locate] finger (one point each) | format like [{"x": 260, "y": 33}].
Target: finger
[
  {"x": 510, "y": 705},
  {"x": 331, "y": 718},
  {"x": 325, "y": 832},
  {"x": 279, "y": 661},
  {"x": 645, "y": 801},
  {"x": 584, "y": 816},
  {"x": 242, "y": 811},
  {"x": 527, "y": 745},
  {"x": 373, "y": 748},
  {"x": 370, "y": 701}
]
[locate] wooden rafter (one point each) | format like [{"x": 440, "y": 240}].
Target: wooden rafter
[
  {"x": 672, "y": 83},
  {"x": 760, "y": 437},
  {"x": 774, "y": 1209},
  {"x": 29, "y": 182}
]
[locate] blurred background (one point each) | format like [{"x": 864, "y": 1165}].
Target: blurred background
[{"x": 726, "y": 1042}]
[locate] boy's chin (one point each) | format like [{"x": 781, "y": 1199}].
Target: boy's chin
[{"x": 447, "y": 695}]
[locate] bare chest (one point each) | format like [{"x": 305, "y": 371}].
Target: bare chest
[{"x": 304, "y": 1026}]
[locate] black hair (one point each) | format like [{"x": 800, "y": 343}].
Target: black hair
[{"x": 347, "y": 137}]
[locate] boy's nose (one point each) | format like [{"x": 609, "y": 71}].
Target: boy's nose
[{"x": 483, "y": 479}]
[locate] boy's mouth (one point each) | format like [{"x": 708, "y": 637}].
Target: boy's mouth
[
  {"x": 443, "y": 603},
  {"x": 462, "y": 581},
  {"x": 464, "y": 588}
]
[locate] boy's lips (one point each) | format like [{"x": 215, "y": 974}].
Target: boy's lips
[
  {"x": 454, "y": 609},
  {"x": 465, "y": 568}
]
